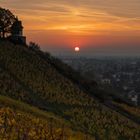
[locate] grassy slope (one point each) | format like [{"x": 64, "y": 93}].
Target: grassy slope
[
  {"x": 21, "y": 106},
  {"x": 18, "y": 120},
  {"x": 35, "y": 81},
  {"x": 135, "y": 111}
]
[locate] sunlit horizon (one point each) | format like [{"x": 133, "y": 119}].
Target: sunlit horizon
[{"x": 98, "y": 26}]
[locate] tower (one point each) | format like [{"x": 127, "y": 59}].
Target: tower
[
  {"x": 17, "y": 28},
  {"x": 17, "y": 33}
]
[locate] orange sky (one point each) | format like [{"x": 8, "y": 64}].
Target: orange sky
[{"x": 89, "y": 24}]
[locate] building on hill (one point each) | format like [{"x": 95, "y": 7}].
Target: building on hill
[
  {"x": 17, "y": 33},
  {"x": 134, "y": 98}
]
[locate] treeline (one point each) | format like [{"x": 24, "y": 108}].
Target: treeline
[{"x": 34, "y": 77}]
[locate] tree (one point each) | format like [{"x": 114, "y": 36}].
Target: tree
[
  {"x": 34, "y": 46},
  {"x": 6, "y": 21}
]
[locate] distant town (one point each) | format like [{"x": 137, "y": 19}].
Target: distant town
[{"x": 122, "y": 75}]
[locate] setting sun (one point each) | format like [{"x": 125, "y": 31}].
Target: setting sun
[
  {"x": 74, "y": 65},
  {"x": 77, "y": 49}
]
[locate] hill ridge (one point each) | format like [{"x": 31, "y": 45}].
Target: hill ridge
[{"x": 85, "y": 113}]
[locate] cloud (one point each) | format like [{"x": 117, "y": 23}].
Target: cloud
[
  {"x": 82, "y": 16},
  {"x": 97, "y": 25},
  {"x": 124, "y": 8}
]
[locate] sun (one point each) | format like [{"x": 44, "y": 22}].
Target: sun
[{"x": 77, "y": 49}]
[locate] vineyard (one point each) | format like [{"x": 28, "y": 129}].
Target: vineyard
[
  {"x": 27, "y": 77},
  {"x": 18, "y": 122}
]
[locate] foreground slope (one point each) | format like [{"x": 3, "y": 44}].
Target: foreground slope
[
  {"x": 23, "y": 122},
  {"x": 26, "y": 76}
]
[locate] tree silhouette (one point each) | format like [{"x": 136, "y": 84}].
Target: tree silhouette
[
  {"x": 34, "y": 46},
  {"x": 6, "y": 21}
]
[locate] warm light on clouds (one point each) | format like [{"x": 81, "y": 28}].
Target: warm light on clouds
[
  {"x": 77, "y": 15},
  {"x": 84, "y": 19}
]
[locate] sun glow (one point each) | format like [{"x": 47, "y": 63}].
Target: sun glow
[
  {"x": 92, "y": 23},
  {"x": 77, "y": 49}
]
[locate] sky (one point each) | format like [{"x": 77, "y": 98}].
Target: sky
[{"x": 96, "y": 26}]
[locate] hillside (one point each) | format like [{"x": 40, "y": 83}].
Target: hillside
[
  {"x": 21, "y": 121},
  {"x": 27, "y": 76}
]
